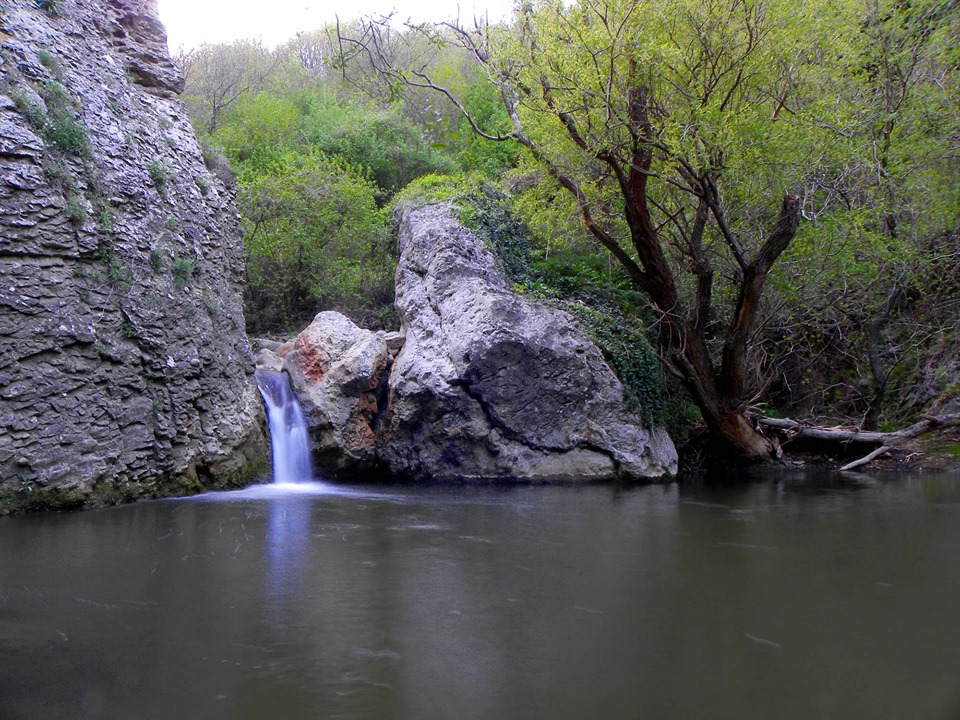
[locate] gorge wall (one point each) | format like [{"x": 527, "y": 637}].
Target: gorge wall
[{"x": 124, "y": 367}]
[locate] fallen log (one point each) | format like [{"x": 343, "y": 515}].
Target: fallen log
[
  {"x": 793, "y": 429},
  {"x": 886, "y": 441},
  {"x": 882, "y": 450}
]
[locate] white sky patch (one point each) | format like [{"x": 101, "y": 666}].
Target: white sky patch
[{"x": 191, "y": 23}]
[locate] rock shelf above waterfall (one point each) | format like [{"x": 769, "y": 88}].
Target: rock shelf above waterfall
[{"x": 481, "y": 384}]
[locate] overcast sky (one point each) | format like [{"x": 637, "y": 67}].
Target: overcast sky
[{"x": 193, "y": 22}]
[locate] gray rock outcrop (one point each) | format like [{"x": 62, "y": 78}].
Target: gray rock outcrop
[
  {"x": 124, "y": 366},
  {"x": 340, "y": 373},
  {"x": 487, "y": 384}
]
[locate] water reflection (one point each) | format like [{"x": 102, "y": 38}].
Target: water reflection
[{"x": 288, "y": 532}]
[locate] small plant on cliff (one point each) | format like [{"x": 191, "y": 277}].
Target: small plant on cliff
[
  {"x": 33, "y": 113},
  {"x": 50, "y": 7},
  {"x": 106, "y": 221},
  {"x": 50, "y": 62},
  {"x": 182, "y": 270},
  {"x": 158, "y": 259},
  {"x": 58, "y": 173},
  {"x": 117, "y": 274},
  {"x": 76, "y": 212},
  {"x": 59, "y": 126},
  {"x": 56, "y": 123},
  {"x": 159, "y": 175}
]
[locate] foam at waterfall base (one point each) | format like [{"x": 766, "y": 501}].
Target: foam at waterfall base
[{"x": 307, "y": 489}]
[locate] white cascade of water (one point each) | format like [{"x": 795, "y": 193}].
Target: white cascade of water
[{"x": 289, "y": 441}]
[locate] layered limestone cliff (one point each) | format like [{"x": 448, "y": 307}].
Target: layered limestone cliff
[
  {"x": 124, "y": 366},
  {"x": 483, "y": 384}
]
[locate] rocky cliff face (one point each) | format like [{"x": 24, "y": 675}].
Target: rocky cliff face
[
  {"x": 124, "y": 366},
  {"x": 487, "y": 385}
]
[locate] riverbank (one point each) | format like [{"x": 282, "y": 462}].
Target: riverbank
[{"x": 939, "y": 454}]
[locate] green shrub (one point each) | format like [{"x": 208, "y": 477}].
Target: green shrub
[
  {"x": 182, "y": 270},
  {"x": 391, "y": 150},
  {"x": 50, "y": 62},
  {"x": 258, "y": 128},
  {"x": 482, "y": 101},
  {"x": 315, "y": 241},
  {"x": 50, "y": 7},
  {"x": 158, "y": 259},
  {"x": 158, "y": 175},
  {"x": 76, "y": 212}
]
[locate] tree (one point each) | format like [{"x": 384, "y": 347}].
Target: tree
[
  {"x": 217, "y": 76},
  {"x": 882, "y": 195},
  {"x": 392, "y": 150},
  {"x": 314, "y": 237},
  {"x": 657, "y": 117},
  {"x": 897, "y": 60}
]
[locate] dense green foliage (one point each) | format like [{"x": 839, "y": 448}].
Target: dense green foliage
[
  {"x": 315, "y": 239},
  {"x": 852, "y": 107},
  {"x": 314, "y": 162},
  {"x": 721, "y": 108}
]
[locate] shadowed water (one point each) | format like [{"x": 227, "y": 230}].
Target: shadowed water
[{"x": 801, "y": 597}]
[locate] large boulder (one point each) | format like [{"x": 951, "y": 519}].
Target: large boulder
[
  {"x": 124, "y": 366},
  {"x": 487, "y": 385},
  {"x": 339, "y": 372}
]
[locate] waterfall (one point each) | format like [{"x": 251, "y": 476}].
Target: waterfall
[{"x": 289, "y": 442}]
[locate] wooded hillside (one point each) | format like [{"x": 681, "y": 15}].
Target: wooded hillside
[{"x": 769, "y": 194}]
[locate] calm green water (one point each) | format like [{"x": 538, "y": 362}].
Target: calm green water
[{"x": 794, "y": 598}]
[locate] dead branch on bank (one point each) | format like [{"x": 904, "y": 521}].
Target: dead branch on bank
[{"x": 887, "y": 441}]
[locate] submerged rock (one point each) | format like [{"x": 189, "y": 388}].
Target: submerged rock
[
  {"x": 486, "y": 385},
  {"x": 124, "y": 366}
]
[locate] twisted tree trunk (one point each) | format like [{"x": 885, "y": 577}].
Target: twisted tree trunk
[{"x": 718, "y": 393}]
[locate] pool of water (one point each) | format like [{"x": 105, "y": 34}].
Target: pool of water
[{"x": 801, "y": 596}]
